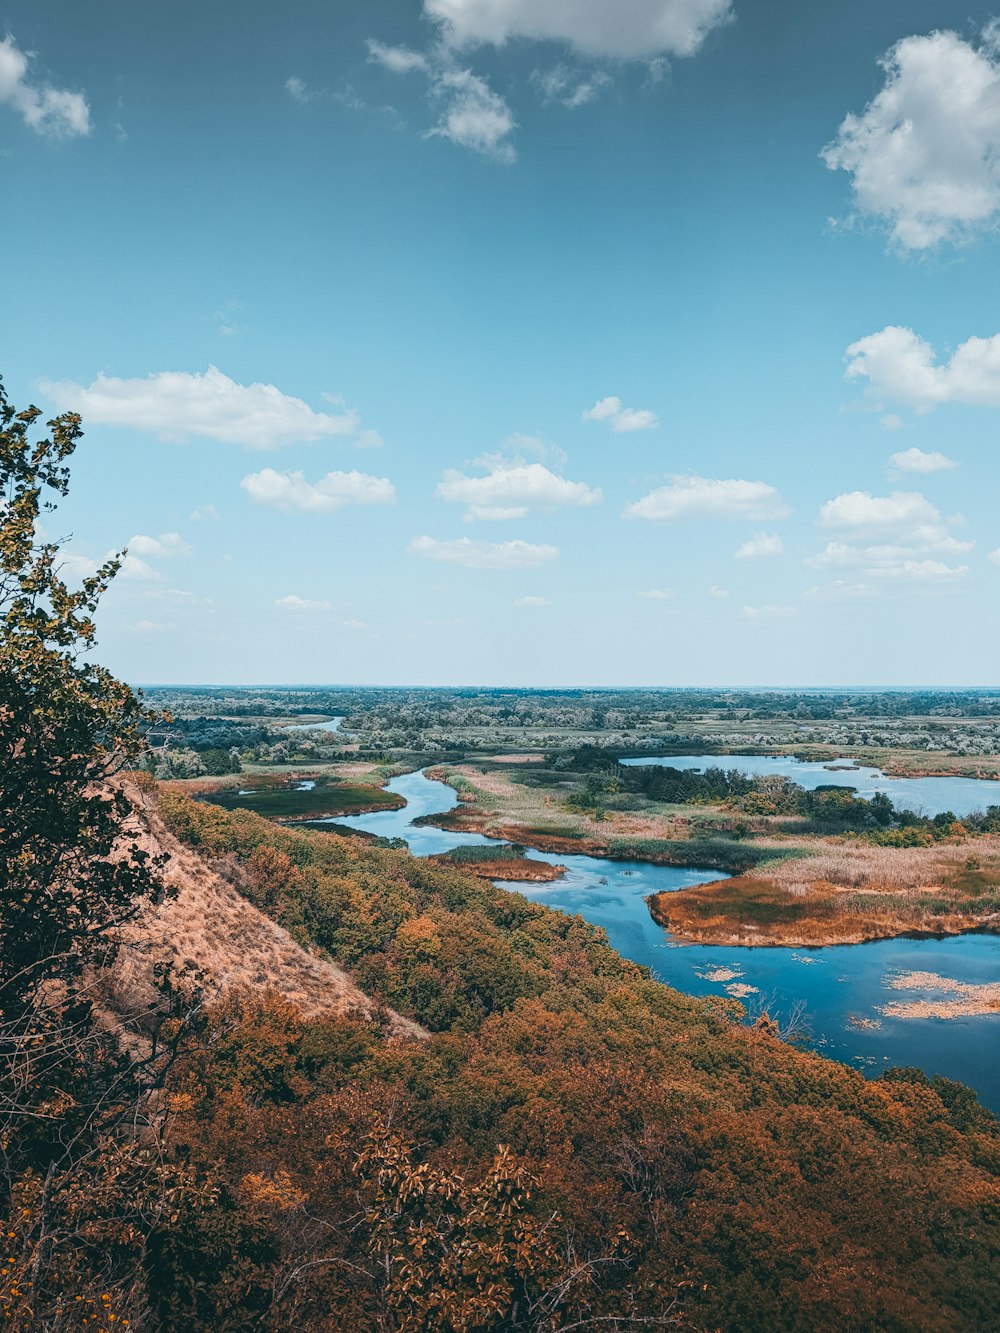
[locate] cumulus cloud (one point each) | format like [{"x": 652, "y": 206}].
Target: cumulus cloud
[
  {"x": 994, "y": 556},
  {"x": 891, "y": 537},
  {"x": 174, "y": 405},
  {"x": 510, "y": 490},
  {"x": 701, "y": 497},
  {"x": 900, "y": 536},
  {"x": 47, "y": 110},
  {"x": 205, "y": 514},
  {"x": 717, "y": 592},
  {"x": 901, "y": 516},
  {"x": 74, "y": 566},
  {"x": 290, "y": 490},
  {"x": 626, "y": 30},
  {"x": 900, "y": 365},
  {"x": 532, "y": 601},
  {"x": 167, "y": 544},
  {"x": 620, "y": 418},
  {"x": 924, "y": 155},
  {"x": 302, "y": 606},
  {"x": 656, "y": 594},
  {"x": 761, "y": 544},
  {"x": 916, "y": 460},
  {"x": 483, "y": 555}
]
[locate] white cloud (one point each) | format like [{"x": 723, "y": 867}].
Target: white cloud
[
  {"x": 903, "y": 516},
  {"x": 175, "y": 405},
  {"x": 994, "y": 556},
  {"x": 290, "y": 490},
  {"x": 768, "y": 612},
  {"x": 626, "y": 30},
  {"x": 483, "y": 555},
  {"x": 45, "y": 109},
  {"x": 892, "y": 537},
  {"x": 205, "y": 514},
  {"x": 621, "y": 419},
  {"x": 901, "y": 366},
  {"x": 701, "y": 497},
  {"x": 656, "y": 594},
  {"x": 298, "y": 90},
  {"x": 397, "y": 59},
  {"x": 924, "y": 156},
  {"x": 75, "y": 566},
  {"x": 162, "y": 547},
  {"x": 892, "y": 421},
  {"x": 532, "y": 601},
  {"x": 303, "y": 606},
  {"x": 916, "y": 460},
  {"x": 761, "y": 544},
  {"x": 510, "y": 490},
  {"x": 570, "y": 88},
  {"x": 716, "y": 591},
  {"x": 473, "y": 115}
]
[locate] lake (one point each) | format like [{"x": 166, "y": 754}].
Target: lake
[
  {"x": 840, "y": 986},
  {"x": 925, "y": 796}
]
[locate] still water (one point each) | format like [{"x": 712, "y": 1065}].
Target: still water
[
  {"x": 926, "y": 796},
  {"x": 332, "y": 724},
  {"x": 840, "y": 986}
]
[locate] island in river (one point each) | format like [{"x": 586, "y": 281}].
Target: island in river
[{"x": 791, "y": 881}]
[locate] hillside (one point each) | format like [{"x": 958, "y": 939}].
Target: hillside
[
  {"x": 212, "y": 937},
  {"x": 678, "y": 1166}
]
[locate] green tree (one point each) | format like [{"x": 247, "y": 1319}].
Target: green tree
[{"x": 72, "y": 873}]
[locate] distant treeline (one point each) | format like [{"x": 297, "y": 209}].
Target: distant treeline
[{"x": 833, "y": 805}]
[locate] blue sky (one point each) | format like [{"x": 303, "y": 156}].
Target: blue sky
[{"x": 487, "y": 341}]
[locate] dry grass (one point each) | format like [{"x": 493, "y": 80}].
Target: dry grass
[
  {"x": 844, "y": 892},
  {"x": 211, "y": 937}
]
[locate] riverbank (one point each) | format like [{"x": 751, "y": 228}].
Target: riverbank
[
  {"x": 507, "y": 869},
  {"x": 782, "y": 890}
]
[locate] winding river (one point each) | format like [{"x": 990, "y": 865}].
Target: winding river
[{"x": 842, "y": 987}]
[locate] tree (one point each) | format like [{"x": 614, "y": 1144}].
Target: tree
[{"x": 72, "y": 873}]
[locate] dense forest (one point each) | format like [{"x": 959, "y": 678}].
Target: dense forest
[{"x": 554, "y": 1141}]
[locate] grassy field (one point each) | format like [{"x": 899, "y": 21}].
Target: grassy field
[{"x": 276, "y": 793}]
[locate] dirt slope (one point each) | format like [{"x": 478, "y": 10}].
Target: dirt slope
[{"x": 215, "y": 938}]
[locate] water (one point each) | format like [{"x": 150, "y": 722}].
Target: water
[
  {"x": 926, "y": 796},
  {"x": 837, "y": 984},
  {"x": 332, "y": 724}
]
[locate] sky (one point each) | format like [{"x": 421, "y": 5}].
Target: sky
[{"x": 516, "y": 342}]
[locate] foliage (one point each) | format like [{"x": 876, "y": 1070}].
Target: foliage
[{"x": 79, "y": 1173}]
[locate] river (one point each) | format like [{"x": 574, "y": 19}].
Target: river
[{"x": 841, "y": 986}]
